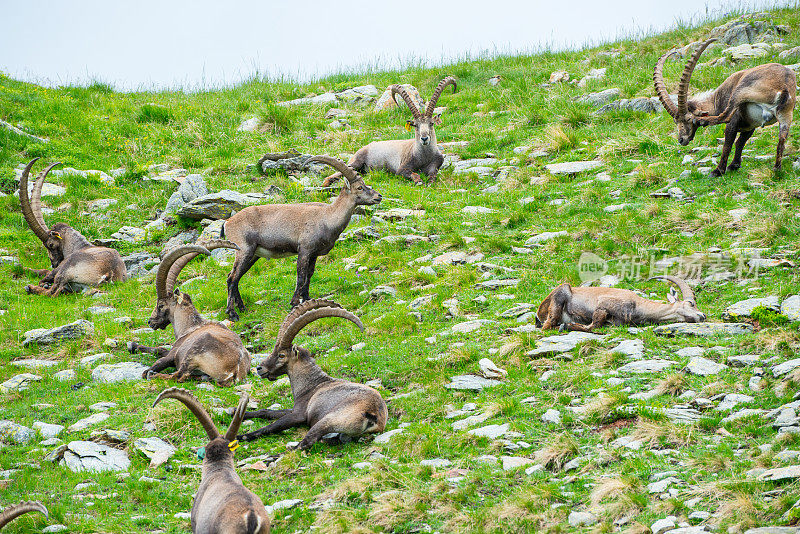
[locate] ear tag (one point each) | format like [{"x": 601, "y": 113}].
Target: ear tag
[
  {"x": 233, "y": 445},
  {"x": 201, "y": 453},
  {"x": 409, "y": 128},
  {"x": 57, "y": 235}
]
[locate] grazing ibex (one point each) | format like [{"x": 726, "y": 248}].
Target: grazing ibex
[
  {"x": 406, "y": 157},
  {"x": 323, "y": 403},
  {"x": 746, "y": 100},
  {"x": 222, "y": 504},
  {"x": 200, "y": 345},
  {"x": 308, "y": 230},
  {"x": 76, "y": 263},
  {"x": 587, "y": 308},
  {"x": 15, "y": 510}
]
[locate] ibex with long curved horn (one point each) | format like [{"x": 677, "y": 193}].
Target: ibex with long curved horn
[
  {"x": 308, "y": 230},
  {"x": 746, "y": 100},
  {"x": 222, "y": 505},
  {"x": 323, "y": 403},
  {"x": 15, "y": 510},
  {"x": 203, "y": 346},
  {"x": 76, "y": 262},
  {"x": 587, "y": 308},
  {"x": 408, "y": 157}
]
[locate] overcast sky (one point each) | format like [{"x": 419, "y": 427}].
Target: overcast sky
[{"x": 147, "y": 44}]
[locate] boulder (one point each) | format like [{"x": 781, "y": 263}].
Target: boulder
[
  {"x": 646, "y": 366},
  {"x": 290, "y": 162},
  {"x": 791, "y": 308},
  {"x": 744, "y": 308},
  {"x": 81, "y": 456},
  {"x": 49, "y": 336},
  {"x": 704, "y": 367},
  {"x": 11, "y": 432},
  {"x": 192, "y": 187},
  {"x": 643, "y": 104},
  {"x": 385, "y": 101},
  {"x": 747, "y": 51},
  {"x": 600, "y": 98},
  {"x": 219, "y": 205},
  {"x": 118, "y": 372},
  {"x": 563, "y": 343},
  {"x": 131, "y": 234}
]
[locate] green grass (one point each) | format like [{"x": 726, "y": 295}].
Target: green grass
[{"x": 95, "y": 127}]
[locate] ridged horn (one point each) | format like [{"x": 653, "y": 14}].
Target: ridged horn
[
  {"x": 399, "y": 89},
  {"x": 683, "y": 86},
  {"x": 661, "y": 86},
  {"x": 302, "y": 308},
  {"x": 183, "y": 261},
  {"x": 166, "y": 264},
  {"x": 449, "y": 80},
  {"x": 238, "y": 417},
  {"x": 194, "y": 406},
  {"x": 346, "y": 170},
  {"x": 309, "y": 317},
  {"x": 686, "y": 291},
  {"x": 15, "y": 510},
  {"x": 32, "y": 211}
]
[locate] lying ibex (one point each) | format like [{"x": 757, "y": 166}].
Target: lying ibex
[
  {"x": 200, "y": 345},
  {"x": 308, "y": 230},
  {"x": 222, "y": 504},
  {"x": 406, "y": 157},
  {"x": 15, "y": 510},
  {"x": 587, "y": 308},
  {"x": 323, "y": 403},
  {"x": 76, "y": 263},
  {"x": 746, "y": 100}
]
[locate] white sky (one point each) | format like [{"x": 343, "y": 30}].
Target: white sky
[{"x": 146, "y": 44}]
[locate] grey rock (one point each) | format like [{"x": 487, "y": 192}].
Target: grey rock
[
  {"x": 386, "y": 436},
  {"x": 131, "y": 234},
  {"x": 50, "y": 529},
  {"x": 633, "y": 348},
  {"x": 741, "y": 414},
  {"x": 477, "y": 210},
  {"x": 785, "y": 367},
  {"x": 682, "y": 415},
  {"x": 66, "y": 375},
  {"x": 792, "y": 53},
  {"x": 747, "y": 51},
  {"x": 663, "y": 525},
  {"x": 581, "y": 519},
  {"x": 552, "y": 416},
  {"x": 544, "y": 236},
  {"x": 86, "y": 422},
  {"x": 138, "y": 263},
  {"x": 49, "y": 336},
  {"x": 158, "y": 450},
  {"x": 19, "y": 382},
  {"x": 472, "y": 420},
  {"x": 33, "y": 363},
  {"x": 646, "y": 366},
  {"x": 471, "y": 382},
  {"x": 744, "y": 308},
  {"x": 490, "y": 431},
  {"x": 642, "y": 104},
  {"x": 385, "y": 101},
  {"x": 193, "y": 186},
  {"x": 744, "y": 360},
  {"x": 490, "y": 370},
  {"x": 383, "y": 291},
  {"x": 456, "y": 258},
  {"x": 563, "y": 343},
  {"x": 791, "y": 308},
  {"x": 731, "y": 400},
  {"x": 600, "y": 98},
  {"x": 773, "y": 530},
  {"x": 778, "y": 474},
  {"x": 81, "y": 456},
  {"x": 704, "y": 367},
  {"x": 471, "y": 326},
  {"x": 102, "y": 203},
  {"x": 118, "y": 372},
  {"x": 703, "y": 329},
  {"x": 11, "y": 432},
  {"x": 216, "y": 205},
  {"x": 289, "y": 162},
  {"x": 47, "y": 430},
  {"x": 573, "y": 167},
  {"x": 436, "y": 463},
  {"x": 515, "y": 462}
]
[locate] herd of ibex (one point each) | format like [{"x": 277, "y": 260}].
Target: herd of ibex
[{"x": 746, "y": 100}]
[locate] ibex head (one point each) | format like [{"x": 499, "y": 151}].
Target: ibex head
[
  {"x": 354, "y": 182},
  {"x": 285, "y": 354},
  {"x": 684, "y": 309},
  {"x": 423, "y": 123},
  {"x": 687, "y": 114}
]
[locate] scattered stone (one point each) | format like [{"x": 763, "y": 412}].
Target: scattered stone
[
  {"x": 471, "y": 326},
  {"x": 381, "y": 439},
  {"x": 490, "y": 431},
  {"x": 646, "y": 366},
  {"x": 600, "y": 98},
  {"x": 490, "y": 370},
  {"x": 81, "y": 456},
  {"x": 383, "y": 291},
  {"x": 515, "y": 462},
  {"x": 780, "y": 473},
  {"x": 47, "y": 430},
  {"x": 471, "y": 382},
  {"x": 33, "y": 363},
  {"x": 563, "y": 343},
  {"x": 741, "y": 414},
  {"x": 497, "y": 284},
  {"x": 86, "y": 422},
  {"x": 158, "y": 450},
  {"x": 641, "y": 104},
  {"x": 475, "y": 210},
  {"x": 219, "y": 205},
  {"x": 11, "y": 432},
  {"x": 744, "y": 308},
  {"x": 573, "y": 167},
  {"x": 731, "y": 400},
  {"x": 544, "y": 236},
  {"x": 19, "y": 382},
  {"x": 791, "y": 308},
  {"x": 581, "y": 519},
  {"x": 49, "y": 336},
  {"x": 782, "y": 368},
  {"x": 704, "y": 367},
  {"x": 559, "y": 76},
  {"x": 67, "y": 375},
  {"x": 633, "y": 348},
  {"x": 703, "y": 329},
  {"x": 663, "y": 525},
  {"x": 118, "y": 372},
  {"x": 436, "y": 463},
  {"x": 552, "y": 416}
]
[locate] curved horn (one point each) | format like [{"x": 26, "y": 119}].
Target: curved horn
[
  {"x": 238, "y": 417},
  {"x": 183, "y": 261},
  {"x": 661, "y": 87},
  {"x": 194, "y": 406},
  {"x": 438, "y": 92},
  {"x": 38, "y": 228},
  {"x": 396, "y": 88},
  {"x": 300, "y": 309},
  {"x": 686, "y": 291},
  {"x": 14, "y": 511},
  {"x": 683, "y": 86},
  {"x": 346, "y": 170},
  {"x": 166, "y": 264},
  {"x": 309, "y": 317}
]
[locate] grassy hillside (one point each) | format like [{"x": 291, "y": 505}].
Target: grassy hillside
[{"x": 96, "y": 128}]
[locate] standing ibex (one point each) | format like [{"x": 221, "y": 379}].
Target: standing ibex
[
  {"x": 200, "y": 345},
  {"x": 308, "y": 230},
  {"x": 746, "y": 100},
  {"x": 587, "y": 308},
  {"x": 222, "y": 504},
  {"x": 323, "y": 403},
  {"x": 15, "y": 510},
  {"x": 76, "y": 262},
  {"x": 406, "y": 157}
]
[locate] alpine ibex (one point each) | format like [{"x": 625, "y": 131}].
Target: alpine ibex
[
  {"x": 76, "y": 262},
  {"x": 406, "y": 157},
  {"x": 323, "y": 403},
  {"x": 15, "y": 510},
  {"x": 587, "y": 308},
  {"x": 746, "y": 100},
  {"x": 200, "y": 345},
  {"x": 222, "y": 504},
  {"x": 308, "y": 230}
]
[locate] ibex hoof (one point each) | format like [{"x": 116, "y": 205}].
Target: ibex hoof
[
  {"x": 716, "y": 173},
  {"x": 29, "y": 289},
  {"x": 132, "y": 346}
]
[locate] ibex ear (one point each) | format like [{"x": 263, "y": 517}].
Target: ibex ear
[
  {"x": 410, "y": 126},
  {"x": 702, "y": 113},
  {"x": 436, "y": 119},
  {"x": 672, "y": 296}
]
